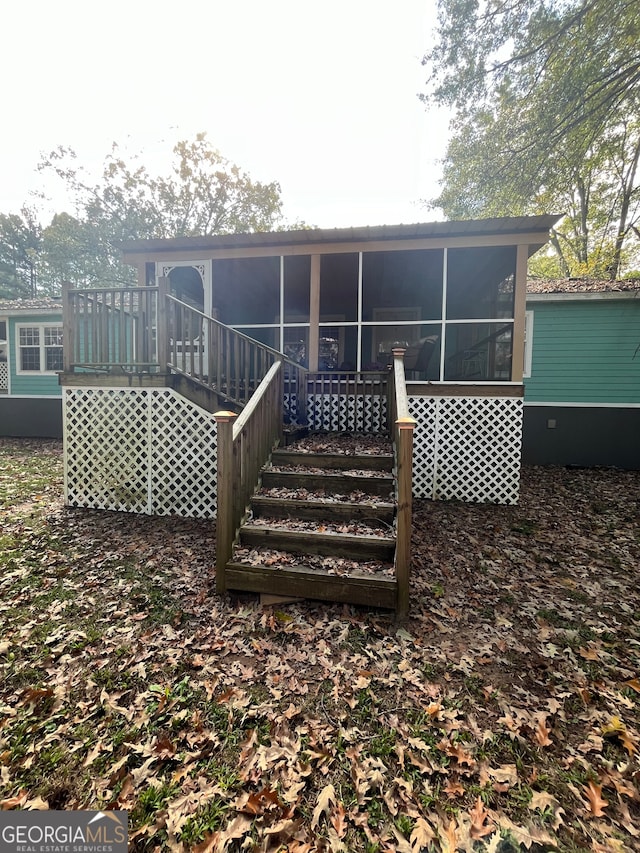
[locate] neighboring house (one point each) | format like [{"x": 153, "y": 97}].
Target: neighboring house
[
  {"x": 582, "y": 373},
  {"x": 30, "y": 360}
]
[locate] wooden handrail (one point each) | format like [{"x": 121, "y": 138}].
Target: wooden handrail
[
  {"x": 223, "y": 359},
  {"x": 401, "y": 429},
  {"x": 244, "y": 445}
]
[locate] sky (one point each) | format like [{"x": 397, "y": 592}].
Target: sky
[{"x": 321, "y": 97}]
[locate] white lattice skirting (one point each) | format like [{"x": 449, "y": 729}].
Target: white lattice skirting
[
  {"x": 139, "y": 450},
  {"x": 467, "y": 448},
  {"x": 4, "y": 376},
  {"x": 341, "y": 412}
]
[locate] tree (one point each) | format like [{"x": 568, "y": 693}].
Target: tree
[
  {"x": 548, "y": 115},
  {"x": 20, "y": 242},
  {"x": 203, "y": 194}
]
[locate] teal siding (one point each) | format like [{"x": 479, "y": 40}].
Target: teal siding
[
  {"x": 36, "y": 384},
  {"x": 583, "y": 352}
]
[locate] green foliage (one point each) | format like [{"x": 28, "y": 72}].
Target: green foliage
[
  {"x": 547, "y": 120},
  {"x": 20, "y": 239},
  {"x": 202, "y": 194}
]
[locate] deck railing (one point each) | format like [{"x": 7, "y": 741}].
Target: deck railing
[
  {"x": 358, "y": 398},
  {"x": 135, "y": 329},
  {"x": 401, "y": 426},
  {"x": 244, "y": 444},
  {"x": 223, "y": 359},
  {"x": 111, "y": 327}
]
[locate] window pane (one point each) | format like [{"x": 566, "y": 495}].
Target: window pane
[
  {"x": 29, "y": 336},
  {"x": 480, "y": 283},
  {"x": 411, "y": 279},
  {"x": 297, "y": 280},
  {"x": 269, "y": 337},
  {"x": 247, "y": 290},
  {"x": 53, "y": 336},
  {"x": 29, "y": 358},
  {"x": 54, "y": 358},
  {"x": 296, "y": 344},
  {"x": 477, "y": 352},
  {"x": 421, "y": 342},
  {"x": 339, "y": 286}
]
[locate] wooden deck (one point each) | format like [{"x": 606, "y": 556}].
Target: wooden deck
[{"x": 142, "y": 337}]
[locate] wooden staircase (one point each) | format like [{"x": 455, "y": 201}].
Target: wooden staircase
[{"x": 322, "y": 524}]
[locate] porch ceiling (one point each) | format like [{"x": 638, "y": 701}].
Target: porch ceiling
[{"x": 538, "y": 225}]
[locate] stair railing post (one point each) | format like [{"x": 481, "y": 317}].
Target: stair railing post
[
  {"x": 226, "y": 522},
  {"x": 301, "y": 395},
  {"x": 403, "y": 425},
  {"x": 162, "y": 323},
  {"x": 404, "y": 462}
]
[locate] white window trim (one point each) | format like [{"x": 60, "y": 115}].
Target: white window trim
[
  {"x": 43, "y": 355},
  {"x": 528, "y": 344}
]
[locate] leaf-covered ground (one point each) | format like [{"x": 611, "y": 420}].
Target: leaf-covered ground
[{"x": 503, "y": 715}]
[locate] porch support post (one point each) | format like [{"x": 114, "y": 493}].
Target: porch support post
[
  {"x": 519, "y": 311},
  {"x": 314, "y": 314},
  {"x": 225, "y": 525}
]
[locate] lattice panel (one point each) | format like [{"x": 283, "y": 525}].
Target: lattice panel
[
  {"x": 478, "y": 449},
  {"x": 4, "y": 376},
  {"x": 139, "y": 450},
  {"x": 347, "y": 413},
  {"x": 290, "y": 408},
  {"x": 106, "y": 456},
  {"x": 183, "y": 458},
  {"x": 467, "y": 448},
  {"x": 424, "y": 410}
]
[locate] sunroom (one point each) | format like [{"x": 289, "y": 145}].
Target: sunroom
[{"x": 452, "y": 308}]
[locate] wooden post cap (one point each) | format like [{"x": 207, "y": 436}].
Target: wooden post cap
[
  {"x": 406, "y": 423},
  {"x": 222, "y": 417}
]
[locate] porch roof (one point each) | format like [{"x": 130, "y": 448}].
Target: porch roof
[{"x": 472, "y": 228}]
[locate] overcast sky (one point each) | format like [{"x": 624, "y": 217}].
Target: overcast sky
[{"x": 321, "y": 97}]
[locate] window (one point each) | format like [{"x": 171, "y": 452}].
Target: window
[{"x": 39, "y": 349}]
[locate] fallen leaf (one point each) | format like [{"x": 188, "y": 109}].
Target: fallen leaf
[
  {"x": 422, "y": 835},
  {"x": 326, "y": 797},
  {"x": 479, "y": 815},
  {"x": 596, "y": 804}
]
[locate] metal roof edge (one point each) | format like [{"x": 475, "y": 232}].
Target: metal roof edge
[{"x": 419, "y": 230}]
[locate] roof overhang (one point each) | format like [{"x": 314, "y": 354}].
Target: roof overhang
[{"x": 532, "y": 230}]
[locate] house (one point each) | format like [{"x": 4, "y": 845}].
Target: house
[
  {"x": 30, "y": 359},
  {"x": 330, "y": 300},
  {"x": 175, "y": 390},
  {"x": 582, "y": 373}
]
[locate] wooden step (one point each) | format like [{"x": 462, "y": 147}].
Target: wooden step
[
  {"x": 334, "y": 461},
  {"x": 305, "y": 582},
  {"x": 291, "y": 557},
  {"x": 341, "y": 484},
  {"x": 318, "y": 510},
  {"x": 348, "y": 545}
]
